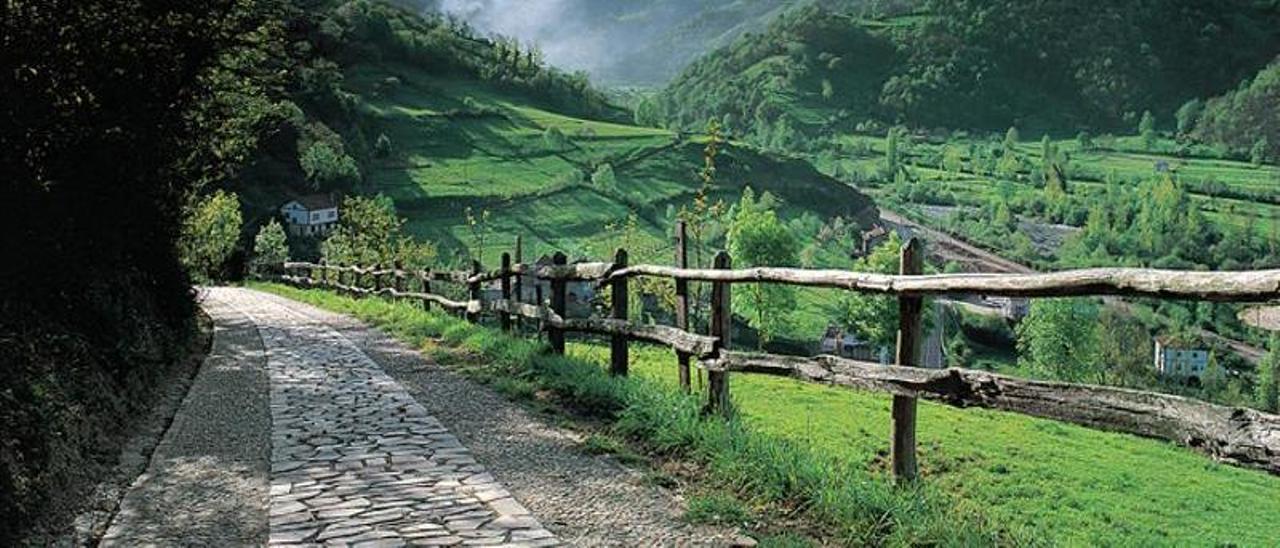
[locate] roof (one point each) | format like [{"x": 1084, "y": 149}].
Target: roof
[
  {"x": 317, "y": 201},
  {"x": 1183, "y": 341}
]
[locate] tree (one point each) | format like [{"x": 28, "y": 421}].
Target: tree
[
  {"x": 382, "y": 146},
  {"x": 1055, "y": 187},
  {"x": 270, "y": 246},
  {"x": 891, "y": 160},
  {"x": 1267, "y": 383},
  {"x": 604, "y": 178},
  {"x": 1011, "y": 138},
  {"x": 369, "y": 234},
  {"x": 758, "y": 238},
  {"x": 210, "y": 234},
  {"x": 1147, "y": 130},
  {"x": 554, "y": 139},
  {"x": 328, "y": 167},
  {"x": 953, "y": 160},
  {"x": 479, "y": 227},
  {"x": 874, "y": 318},
  {"x": 1058, "y": 339},
  {"x": 1258, "y": 154},
  {"x": 1188, "y": 115},
  {"x": 1084, "y": 140}
]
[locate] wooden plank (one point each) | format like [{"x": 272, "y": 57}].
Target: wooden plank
[
  {"x": 1237, "y": 286},
  {"x": 1234, "y": 435},
  {"x": 910, "y": 338},
  {"x": 682, "y": 302},
  {"x": 721, "y": 330},
  {"x": 618, "y": 351}
]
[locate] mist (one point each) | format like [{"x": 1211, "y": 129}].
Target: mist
[{"x": 643, "y": 42}]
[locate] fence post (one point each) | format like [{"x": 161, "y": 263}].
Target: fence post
[
  {"x": 519, "y": 282},
  {"x": 426, "y": 288},
  {"x": 506, "y": 291},
  {"x": 377, "y": 280},
  {"x": 910, "y": 337},
  {"x": 473, "y": 293},
  {"x": 682, "y": 301},
  {"x": 722, "y": 330},
  {"x": 558, "y": 305},
  {"x": 398, "y": 285},
  {"x": 618, "y": 352}
]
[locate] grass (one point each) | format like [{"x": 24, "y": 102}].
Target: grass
[{"x": 817, "y": 452}]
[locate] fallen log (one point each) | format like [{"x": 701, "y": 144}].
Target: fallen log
[{"x": 1240, "y": 436}]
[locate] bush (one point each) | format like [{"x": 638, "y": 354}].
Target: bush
[
  {"x": 270, "y": 246},
  {"x": 210, "y": 234}
]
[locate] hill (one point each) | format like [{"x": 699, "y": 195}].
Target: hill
[
  {"x": 985, "y": 64},
  {"x": 628, "y": 42},
  {"x": 477, "y": 142}
]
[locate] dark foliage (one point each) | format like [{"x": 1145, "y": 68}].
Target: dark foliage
[{"x": 108, "y": 122}]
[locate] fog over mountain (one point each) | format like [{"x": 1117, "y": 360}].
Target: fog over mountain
[{"x": 643, "y": 42}]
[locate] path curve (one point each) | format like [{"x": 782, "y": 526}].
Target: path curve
[{"x": 360, "y": 441}]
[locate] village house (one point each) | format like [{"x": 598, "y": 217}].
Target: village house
[
  {"x": 1013, "y": 309},
  {"x": 313, "y": 215},
  {"x": 579, "y": 294},
  {"x": 870, "y": 239},
  {"x": 836, "y": 342},
  {"x": 1176, "y": 357}
]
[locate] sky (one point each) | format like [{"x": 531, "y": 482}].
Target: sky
[{"x": 565, "y": 38}]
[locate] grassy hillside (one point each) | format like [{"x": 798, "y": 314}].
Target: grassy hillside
[{"x": 474, "y": 157}]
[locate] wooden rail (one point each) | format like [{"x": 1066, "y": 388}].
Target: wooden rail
[{"x": 1234, "y": 435}]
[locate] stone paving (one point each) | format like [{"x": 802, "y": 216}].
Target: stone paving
[{"x": 355, "y": 460}]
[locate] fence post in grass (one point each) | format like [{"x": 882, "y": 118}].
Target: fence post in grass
[
  {"x": 558, "y": 304},
  {"x": 537, "y": 299},
  {"x": 426, "y": 287},
  {"x": 399, "y": 281},
  {"x": 618, "y": 351},
  {"x": 377, "y": 280},
  {"x": 682, "y": 301},
  {"x": 519, "y": 283},
  {"x": 910, "y": 337},
  {"x": 721, "y": 329},
  {"x": 473, "y": 293},
  {"x": 506, "y": 291}
]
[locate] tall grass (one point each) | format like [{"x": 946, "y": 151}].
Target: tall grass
[{"x": 848, "y": 503}]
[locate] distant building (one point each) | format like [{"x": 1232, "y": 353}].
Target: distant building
[
  {"x": 310, "y": 215},
  {"x": 836, "y": 342},
  {"x": 872, "y": 238},
  {"x": 1180, "y": 358},
  {"x": 579, "y": 294},
  {"x": 1011, "y": 308}
]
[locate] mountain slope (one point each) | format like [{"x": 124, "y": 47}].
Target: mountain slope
[
  {"x": 631, "y": 42},
  {"x": 980, "y": 64}
]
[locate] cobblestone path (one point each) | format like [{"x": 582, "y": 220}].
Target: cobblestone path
[{"x": 355, "y": 459}]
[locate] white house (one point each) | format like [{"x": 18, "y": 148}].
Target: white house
[
  {"x": 1179, "y": 358},
  {"x": 310, "y": 215}
]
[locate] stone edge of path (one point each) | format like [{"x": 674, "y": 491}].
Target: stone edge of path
[{"x": 226, "y": 477}]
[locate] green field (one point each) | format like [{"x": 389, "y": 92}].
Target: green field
[{"x": 1039, "y": 481}]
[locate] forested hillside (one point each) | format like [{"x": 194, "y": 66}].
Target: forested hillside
[
  {"x": 981, "y": 64},
  {"x": 631, "y": 42}
]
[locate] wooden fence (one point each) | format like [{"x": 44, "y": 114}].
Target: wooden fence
[{"x": 1239, "y": 436}]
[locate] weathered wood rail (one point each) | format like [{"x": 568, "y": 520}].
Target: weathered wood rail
[{"x": 1239, "y": 436}]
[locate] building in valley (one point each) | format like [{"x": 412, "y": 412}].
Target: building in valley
[{"x": 313, "y": 215}]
